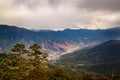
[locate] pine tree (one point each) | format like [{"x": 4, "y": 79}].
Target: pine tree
[{"x": 38, "y": 58}]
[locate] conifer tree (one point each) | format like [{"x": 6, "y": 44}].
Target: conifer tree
[{"x": 39, "y": 57}]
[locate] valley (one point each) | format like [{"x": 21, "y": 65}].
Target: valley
[
  {"x": 56, "y": 43},
  {"x": 78, "y": 53}
]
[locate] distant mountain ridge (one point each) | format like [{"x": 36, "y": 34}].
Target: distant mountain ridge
[{"x": 56, "y": 42}]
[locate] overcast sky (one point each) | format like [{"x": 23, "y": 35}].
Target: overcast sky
[{"x": 60, "y": 14}]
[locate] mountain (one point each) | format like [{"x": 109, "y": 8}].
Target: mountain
[
  {"x": 105, "y": 52},
  {"x": 101, "y": 58},
  {"x": 56, "y": 42},
  {"x": 9, "y": 35}
]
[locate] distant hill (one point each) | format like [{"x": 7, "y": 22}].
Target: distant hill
[
  {"x": 105, "y": 52},
  {"x": 56, "y": 42},
  {"x": 101, "y": 58}
]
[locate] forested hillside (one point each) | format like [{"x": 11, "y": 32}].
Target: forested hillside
[{"x": 103, "y": 58}]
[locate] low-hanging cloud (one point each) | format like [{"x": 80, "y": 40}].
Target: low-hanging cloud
[
  {"x": 60, "y": 14},
  {"x": 102, "y": 5}
]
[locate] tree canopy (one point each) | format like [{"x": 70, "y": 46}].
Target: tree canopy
[{"x": 29, "y": 64}]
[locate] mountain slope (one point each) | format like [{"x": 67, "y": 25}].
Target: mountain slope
[
  {"x": 9, "y": 35},
  {"x": 108, "y": 51},
  {"x": 102, "y": 58},
  {"x": 55, "y": 45},
  {"x": 55, "y": 42}
]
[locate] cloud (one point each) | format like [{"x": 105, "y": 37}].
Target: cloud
[
  {"x": 60, "y": 14},
  {"x": 102, "y": 5}
]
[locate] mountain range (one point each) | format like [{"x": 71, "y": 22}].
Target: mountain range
[{"x": 56, "y": 43}]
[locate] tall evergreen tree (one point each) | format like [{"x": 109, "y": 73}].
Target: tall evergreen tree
[
  {"x": 19, "y": 49},
  {"x": 39, "y": 58}
]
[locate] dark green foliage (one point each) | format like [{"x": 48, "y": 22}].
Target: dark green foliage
[
  {"x": 59, "y": 73},
  {"x": 38, "y": 74},
  {"x": 105, "y": 68},
  {"x": 9, "y": 70},
  {"x": 19, "y": 49},
  {"x": 35, "y": 67},
  {"x": 36, "y": 56}
]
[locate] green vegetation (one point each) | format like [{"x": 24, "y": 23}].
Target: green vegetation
[
  {"x": 32, "y": 64},
  {"x": 100, "y": 59}
]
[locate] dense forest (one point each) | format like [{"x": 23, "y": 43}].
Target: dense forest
[{"x": 31, "y": 63}]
